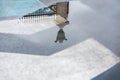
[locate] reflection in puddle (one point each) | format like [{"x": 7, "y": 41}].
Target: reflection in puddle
[
  {"x": 85, "y": 23},
  {"x": 62, "y": 9},
  {"x": 47, "y": 13},
  {"x": 61, "y": 34},
  {"x": 58, "y": 13}
]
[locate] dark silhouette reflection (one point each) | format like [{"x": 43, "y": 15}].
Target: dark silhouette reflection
[{"x": 61, "y": 34}]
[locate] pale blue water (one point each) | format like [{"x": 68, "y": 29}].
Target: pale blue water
[{"x": 10, "y": 8}]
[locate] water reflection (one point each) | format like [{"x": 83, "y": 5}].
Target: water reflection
[
  {"x": 58, "y": 13},
  {"x": 61, "y": 34},
  {"x": 61, "y": 8},
  {"x": 61, "y": 20}
]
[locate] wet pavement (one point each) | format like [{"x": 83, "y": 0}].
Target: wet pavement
[
  {"x": 84, "y": 23},
  {"x": 84, "y": 33}
]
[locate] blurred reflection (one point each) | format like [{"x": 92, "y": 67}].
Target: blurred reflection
[
  {"x": 61, "y": 8},
  {"x": 61, "y": 34},
  {"x": 58, "y": 12},
  {"x": 62, "y": 11}
]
